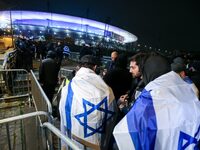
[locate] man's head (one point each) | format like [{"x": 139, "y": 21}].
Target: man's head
[
  {"x": 134, "y": 69},
  {"x": 137, "y": 63},
  {"x": 51, "y": 54},
  {"x": 88, "y": 61},
  {"x": 114, "y": 55},
  {"x": 179, "y": 66}
]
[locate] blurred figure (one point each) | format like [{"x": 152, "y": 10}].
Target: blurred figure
[
  {"x": 179, "y": 67},
  {"x": 165, "y": 116},
  {"x": 48, "y": 74},
  {"x": 119, "y": 78},
  {"x": 194, "y": 72},
  {"x": 59, "y": 53},
  {"x": 85, "y": 50},
  {"x": 111, "y": 65}
]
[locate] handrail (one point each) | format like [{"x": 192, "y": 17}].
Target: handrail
[
  {"x": 14, "y": 70},
  {"x": 46, "y": 124},
  {"x": 45, "y": 97},
  {"x": 12, "y": 86},
  {"x": 60, "y": 135},
  {"x": 20, "y": 117},
  {"x": 15, "y": 97},
  {"x": 65, "y": 69}
]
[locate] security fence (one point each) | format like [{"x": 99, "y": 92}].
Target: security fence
[
  {"x": 40, "y": 99},
  {"x": 14, "y": 83},
  {"x": 34, "y": 137},
  {"x": 26, "y": 121}
]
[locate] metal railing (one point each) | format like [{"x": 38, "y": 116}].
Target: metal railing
[
  {"x": 39, "y": 141},
  {"x": 22, "y": 119},
  {"x": 15, "y": 131},
  {"x": 14, "y": 82},
  {"x": 40, "y": 99},
  {"x": 62, "y": 137}
]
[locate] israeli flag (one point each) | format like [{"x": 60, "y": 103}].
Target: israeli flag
[
  {"x": 88, "y": 110},
  {"x": 166, "y": 116},
  {"x": 66, "y": 50}
]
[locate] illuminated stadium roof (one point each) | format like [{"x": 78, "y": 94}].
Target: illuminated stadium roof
[{"x": 65, "y": 22}]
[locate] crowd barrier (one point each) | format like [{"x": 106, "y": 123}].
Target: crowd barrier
[
  {"x": 26, "y": 121},
  {"x": 14, "y": 83}
]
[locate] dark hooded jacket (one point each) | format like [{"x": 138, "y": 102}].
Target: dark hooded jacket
[{"x": 154, "y": 67}]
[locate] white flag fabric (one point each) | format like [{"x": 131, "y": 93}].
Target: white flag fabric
[
  {"x": 190, "y": 82},
  {"x": 87, "y": 109},
  {"x": 166, "y": 116}
]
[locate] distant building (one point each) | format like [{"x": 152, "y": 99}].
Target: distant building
[{"x": 36, "y": 25}]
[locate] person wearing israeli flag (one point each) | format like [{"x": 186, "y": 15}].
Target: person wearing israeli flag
[
  {"x": 179, "y": 67},
  {"x": 166, "y": 116},
  {"x": 88, "y": 109},
  {"x": 66, "y": 51}
]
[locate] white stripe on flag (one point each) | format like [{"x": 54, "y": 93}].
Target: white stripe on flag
[{"x": 123, "y": 136}]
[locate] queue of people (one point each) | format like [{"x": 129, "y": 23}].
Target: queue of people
[
  {"x": 148, "y": 107},
  {"x": 142, "y": 102}
]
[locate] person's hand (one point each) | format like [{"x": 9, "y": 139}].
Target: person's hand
[{"x": 122, "y": 101}]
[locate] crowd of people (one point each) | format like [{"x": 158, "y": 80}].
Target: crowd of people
[
  {"x": 28, "y": 50},
  {"x": 153, "y": 105},
  {"x": 144, "y": 101}
]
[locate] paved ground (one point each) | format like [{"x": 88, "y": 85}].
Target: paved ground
[{"x": 16, "y": 129}]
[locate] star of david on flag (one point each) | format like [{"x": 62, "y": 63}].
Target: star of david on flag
[
  {"x": 90, "y": 108},
  {"x": 185, "y": 140}
]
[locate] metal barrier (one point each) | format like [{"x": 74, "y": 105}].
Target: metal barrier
[
  {"x": 62, "y": 137},
  {"x": 15, "y": 100},
  {"x": 23, "y": 127},
  {"x": 14, "y": 134},
  {"x": 39, "y": 134},
  {"x": 40, "y": 99},
  {"x": 14, "y": 82}
]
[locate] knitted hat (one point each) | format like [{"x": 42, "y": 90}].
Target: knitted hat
[
  {"x": 178, "y": 65},
  {"x": 88, "y": 59}
]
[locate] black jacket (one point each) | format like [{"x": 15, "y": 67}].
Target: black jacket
[
  {"x": 119, "y": 80},
  {"x": 48, "y": 72}
]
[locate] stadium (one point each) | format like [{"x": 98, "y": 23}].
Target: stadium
[{"x": 39, "y": 25}]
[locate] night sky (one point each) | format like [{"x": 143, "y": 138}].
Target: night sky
[{"x": 165, "y": 24}]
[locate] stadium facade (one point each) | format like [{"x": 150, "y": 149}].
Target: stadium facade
[{"x": 34, "y": 24}]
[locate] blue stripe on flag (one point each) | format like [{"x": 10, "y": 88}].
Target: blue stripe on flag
[
  {"x": 68, "y": 106},
  {"x": 142, "y": 123},
  {"x": 188, "y": 80}
]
